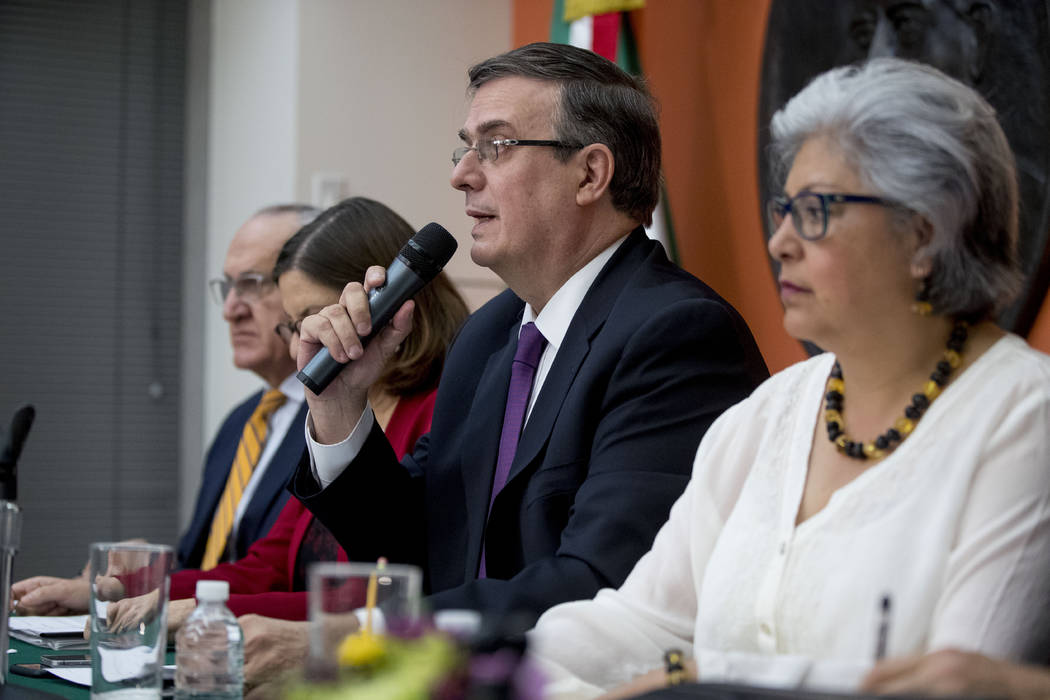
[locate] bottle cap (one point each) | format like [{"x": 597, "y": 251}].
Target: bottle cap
[{"x": 213, "y": 591}]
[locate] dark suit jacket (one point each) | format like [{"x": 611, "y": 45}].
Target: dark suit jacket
[
  {"x": 267, "y": 500},
  {"x": 651, "y": 358}
]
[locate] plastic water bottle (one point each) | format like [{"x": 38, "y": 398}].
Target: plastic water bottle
[{"x": 209, "y": 648}]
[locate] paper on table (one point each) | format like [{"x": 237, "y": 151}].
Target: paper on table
[
  {"x": 43, "y": 624},
  {"x": 82, "y": 676},
  {"x": 50, "y": 632},
  {"x": 118, "y": 664}
]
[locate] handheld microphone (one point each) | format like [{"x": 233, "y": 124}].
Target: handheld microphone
[
  {"x": 419, "y": 261},
  {"x": 11, "y": 449}
]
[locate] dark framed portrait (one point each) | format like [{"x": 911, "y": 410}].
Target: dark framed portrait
[{"x": 999, "y": 47}]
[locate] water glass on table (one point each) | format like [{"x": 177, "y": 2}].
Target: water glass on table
[
  {"x": 10, "y": 536},
  {"x": 127, "y": 652},
  {"x": 385, "y": 594}
]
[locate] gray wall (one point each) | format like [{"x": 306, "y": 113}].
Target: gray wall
[
  {"x": 371, "y": 90},
  {"x": 104, "y": 258},
  {"x": 91, "y": 154}
]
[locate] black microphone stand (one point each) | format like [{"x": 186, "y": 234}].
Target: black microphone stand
[{"x": 10, "y": 514}]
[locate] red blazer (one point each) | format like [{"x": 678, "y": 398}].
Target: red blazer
[{"x": 261, "y": 582}]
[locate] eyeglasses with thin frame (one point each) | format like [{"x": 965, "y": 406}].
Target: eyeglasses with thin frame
[
  {"x": 809, "y": 210},
  {"x": 286, "y": 329},
  {"x": 248, "y": 286},
  {"x": 488, "y": 150}
]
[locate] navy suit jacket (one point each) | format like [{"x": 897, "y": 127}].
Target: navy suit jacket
[
  {"x": 650, "y": 359},
  {"x": 267, "y": 500}
]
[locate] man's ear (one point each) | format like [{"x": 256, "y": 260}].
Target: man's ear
[{"x": 596, "y": 172}]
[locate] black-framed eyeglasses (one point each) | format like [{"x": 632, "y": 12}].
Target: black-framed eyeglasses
[
  {"x": 488, "y": 150},
  {"x": 249, "y": 286},
  {"x": 809, "y": 210},
  {"x": 286, "y": 329}
]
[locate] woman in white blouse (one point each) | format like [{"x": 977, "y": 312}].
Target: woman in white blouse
[{"x": 892, "y": 495}]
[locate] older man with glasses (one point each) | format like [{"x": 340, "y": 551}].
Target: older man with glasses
[
  {"x": 256, "y": 449},
  {"x": 241, "y": 494}
]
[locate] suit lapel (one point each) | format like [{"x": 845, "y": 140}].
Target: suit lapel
[
  {"x": 538, "y": 428},
  {"x": 216, "y": 472},
  {"x": 207, "y": 501},
  {"x": 587, "y": 321},
  {"x": 481, "y": 442}
]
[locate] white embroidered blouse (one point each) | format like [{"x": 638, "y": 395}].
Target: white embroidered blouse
[{"x": 953, "y": 526}]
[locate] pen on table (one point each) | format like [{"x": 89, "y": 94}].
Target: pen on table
[{"x": 884, "y": 628}]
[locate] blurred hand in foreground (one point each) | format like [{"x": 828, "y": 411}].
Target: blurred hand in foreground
[{"x": 953, "y": 672}]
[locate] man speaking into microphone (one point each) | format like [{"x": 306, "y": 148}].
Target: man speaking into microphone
[{"x": 570, "y": 406}]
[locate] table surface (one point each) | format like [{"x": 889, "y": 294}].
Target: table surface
[
  {"x": 29, "y": 654},
  {"x": 26, "y": 653}
]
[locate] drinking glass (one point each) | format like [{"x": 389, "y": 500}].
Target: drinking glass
[
  {"x": 128, "y": 618},
  {"x": 10, "y": 536},
  {"x": 338, "y": 589}
]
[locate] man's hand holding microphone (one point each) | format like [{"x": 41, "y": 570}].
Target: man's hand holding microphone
[{"x": 344, "y": 347}]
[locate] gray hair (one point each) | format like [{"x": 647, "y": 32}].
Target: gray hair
[
  {"x": 934, "y": 145},
  {"x": 599, "y": 103},
  {"x": 305, "y": 212}
]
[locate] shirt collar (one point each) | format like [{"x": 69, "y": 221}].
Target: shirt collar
[
  {"x": 293, "y": 389},
  {"x": 553, "y": 322}
]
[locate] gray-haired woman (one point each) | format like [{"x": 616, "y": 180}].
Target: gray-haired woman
[{"x": 888, "y": 497}]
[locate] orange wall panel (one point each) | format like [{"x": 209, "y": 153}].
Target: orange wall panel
[
  {"x": 703, "y": 61},
  {"x": 532, "y": 21}
]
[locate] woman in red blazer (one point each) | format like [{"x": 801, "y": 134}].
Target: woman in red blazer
[{"x": 311, "y": 271}]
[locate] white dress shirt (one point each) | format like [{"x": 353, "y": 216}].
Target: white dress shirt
[
  {"x": 953, "y": 526},
  {"x": 329, "y": 461}
]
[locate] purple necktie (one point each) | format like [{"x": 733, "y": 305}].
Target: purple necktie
[{"x": 522, "y": 371}]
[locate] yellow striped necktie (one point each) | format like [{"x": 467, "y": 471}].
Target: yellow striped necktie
[{"x": 248, "y": 451}]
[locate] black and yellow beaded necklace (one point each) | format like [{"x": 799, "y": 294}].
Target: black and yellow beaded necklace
[{"x": 903, "y": 426}]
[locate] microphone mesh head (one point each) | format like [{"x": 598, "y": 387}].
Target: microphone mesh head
[{"x": 429, "y": 250}]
